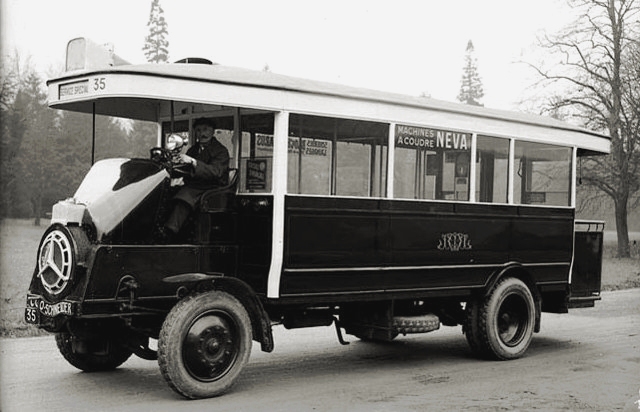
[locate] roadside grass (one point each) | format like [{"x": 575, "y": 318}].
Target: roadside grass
[{"x": 19, "y": 241}]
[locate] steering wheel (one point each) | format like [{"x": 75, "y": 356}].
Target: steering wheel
[
  {"x": 160, "y": 155},
  {"x": 169, "y": 161}
]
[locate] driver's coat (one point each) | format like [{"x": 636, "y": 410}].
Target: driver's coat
[{"x": 210, "y": 171}]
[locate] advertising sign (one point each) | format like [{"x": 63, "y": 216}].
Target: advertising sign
[
  {"x": 412, "y": 137},
  {"x": 310, "y": 147},
  {"x": 256, "y": 174}
]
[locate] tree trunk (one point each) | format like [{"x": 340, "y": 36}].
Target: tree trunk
[
  {"x": 38, "y": 210},
  {"x": 622, "y": 228}
]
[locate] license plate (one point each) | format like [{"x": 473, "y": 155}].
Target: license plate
[{"x": 37, "y": 307}]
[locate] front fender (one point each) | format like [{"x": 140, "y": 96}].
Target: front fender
[{"x": 260, "y": 322}]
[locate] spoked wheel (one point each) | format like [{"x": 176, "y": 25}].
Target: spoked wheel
[
  {"x": 501, "y": 325},
  {"x": 204, "y": 343}
]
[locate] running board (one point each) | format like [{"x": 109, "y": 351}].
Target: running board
[{"x": 577, "y": 302}]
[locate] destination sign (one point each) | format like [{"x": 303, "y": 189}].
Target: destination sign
[
  {"x": 74, "y": 89},
  {"x": 431, "y": 139}
]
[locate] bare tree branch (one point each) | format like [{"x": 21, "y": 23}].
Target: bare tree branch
[{"x": 600, "y": 70}]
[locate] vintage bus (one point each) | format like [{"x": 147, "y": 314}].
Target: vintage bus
[{"x": 378, "y": 213}]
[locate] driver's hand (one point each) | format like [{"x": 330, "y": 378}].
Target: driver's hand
[
  {"x": 187, "y": 159},
  {"x": 177, "y": 182}
]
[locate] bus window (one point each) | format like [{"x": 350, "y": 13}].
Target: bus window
[
  {"x": 492, "y": 169},
  {"x": 224, "y": 132},
  {"x": 404, "y": 174},
  {"x": 310, "y": 155},
  {"x": 336, "y": 156},
  {"x": 257, "y": 153},
  {"x": 542, "y": 174},
  {"x": 180, "y": 127},
  {"x": 361, "y": 158},
  {"x": 431, "y": 164}
]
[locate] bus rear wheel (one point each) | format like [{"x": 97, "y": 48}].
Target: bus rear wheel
[
  {"x": 500, "y": 325},
  {"x": 95, "y": 355},
  {"x": 204, "y": 343}
]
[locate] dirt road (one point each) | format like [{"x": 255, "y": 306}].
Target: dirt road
[{"x": 586, "y": 360}]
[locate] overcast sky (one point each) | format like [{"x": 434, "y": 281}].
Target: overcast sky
[{"x": 406, "y": 47}]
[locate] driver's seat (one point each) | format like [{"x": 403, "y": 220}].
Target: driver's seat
[
  {"x": 221, "y": 198},
  {"x": 216, "y": 219}
]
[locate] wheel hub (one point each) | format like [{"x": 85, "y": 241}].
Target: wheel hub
[
  {"x": 209, "y": 348},
  {"x": 512, "y": 321}
]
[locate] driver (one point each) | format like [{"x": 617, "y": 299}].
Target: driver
[{"x": 208, "y": 162}]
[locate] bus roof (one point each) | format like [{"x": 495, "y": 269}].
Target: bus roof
[{"x": 133, "y": 91}]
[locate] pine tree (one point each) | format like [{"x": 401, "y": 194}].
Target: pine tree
[
  {"x": 156, "y": 45},
  {"x": 12, "y": 128},
  {"x": 143, "y": 135},
  {"x": 35, "y": 161},
  {"x": 471, "y": 85}
]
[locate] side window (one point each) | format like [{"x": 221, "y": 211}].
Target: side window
[
  {"x": 180, "y": 127},
  {"x": 361, "y": 158},
  {"x": 431, "y": 164},
  {"x": 310, "y": 155},
  {"x": 542, "y": 174},
  {"x": 492, "y": 169},
  {"x": 332, "y": 156},
  {"x": 224, "y": 134},
  {"x": 256, "y": 160},
  {"x": 224, "y": 131}
]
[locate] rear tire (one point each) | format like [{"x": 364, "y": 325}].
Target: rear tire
[
  {"x": 204, "y": 343},
  {"x": 500, "y": 325},
  {"x": 97, "y": 355}
]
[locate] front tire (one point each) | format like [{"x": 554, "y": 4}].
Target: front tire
[
  {"x": 91, "y": 355},
  {"x": 204, "y": 343},
  {"x": 500, "y": 326}
]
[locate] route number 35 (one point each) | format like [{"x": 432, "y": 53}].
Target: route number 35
[
  {"x": 99, "y": 83},
  {"x": 31, "y": 315}
]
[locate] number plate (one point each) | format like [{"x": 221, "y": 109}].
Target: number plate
[
  {"x": 37, "y": 307},
  {"x": 31, "y": 315}
]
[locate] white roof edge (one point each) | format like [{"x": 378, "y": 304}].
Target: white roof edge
[{"x": 268, "y": 80}]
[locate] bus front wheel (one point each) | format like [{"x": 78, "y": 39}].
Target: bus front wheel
[
  {"x": 204, "y": 343},
  {"x": 500, "y": 325}
]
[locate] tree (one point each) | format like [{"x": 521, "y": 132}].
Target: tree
[
  {"x": 142, "y": 137},
  {"x": 470, "y": 85},
  {"x": 156, "y": 45},
  {"x": 599, "y": 72},
  {"x": 74, "y": 149},
  {"x": 36, "y": 163},
  {"x": 12, "y": 129},
  {"x": 26, "y": 122}
]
